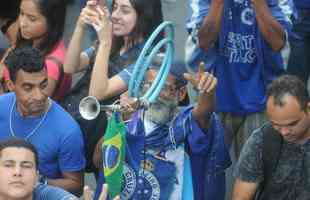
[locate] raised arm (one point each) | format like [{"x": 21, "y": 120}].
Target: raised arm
[
  {"x": 101, "y": 86},
  {"x": 205, "y": 83},
  {"x": 76, "y": 61},
  {"x": 210, "y": 28},
  {"x": 270, "y": 28}
]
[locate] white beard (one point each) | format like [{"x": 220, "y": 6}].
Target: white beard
[{"x": 161, "y": 111}]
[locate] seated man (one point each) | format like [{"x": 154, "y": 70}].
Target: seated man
[
  {"x": 163, "y": 138},
  {"x": 28, "y": 113},
  {"x": 19, "y": 175},
  {"x": 286, "y": 175}
]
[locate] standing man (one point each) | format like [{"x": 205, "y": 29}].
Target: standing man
[
  {"x": 241, "y": 41},
  {"x": 28, "y": 113},
  {"x": 288, "y": 110},
  {"x": 19, "y": 175}
]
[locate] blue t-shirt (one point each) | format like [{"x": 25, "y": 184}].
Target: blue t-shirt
[
  {"x": 242, "y": 59},
  {"x": 57, "y": 138},
  {"x": 207, "y": 154}
]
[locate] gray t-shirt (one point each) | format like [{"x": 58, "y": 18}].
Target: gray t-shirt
[{"x": 290, "y": 180}]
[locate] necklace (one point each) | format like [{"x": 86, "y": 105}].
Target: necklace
[{"x": 35, "y": 128}]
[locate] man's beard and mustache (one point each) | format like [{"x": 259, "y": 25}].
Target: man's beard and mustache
[{"x": 161, "y": 111}]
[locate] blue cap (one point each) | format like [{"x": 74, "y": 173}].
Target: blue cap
[{"x": 177, "y": 69}]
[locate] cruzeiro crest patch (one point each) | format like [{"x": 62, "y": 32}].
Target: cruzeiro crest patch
[{"x": 146, "y": 186}]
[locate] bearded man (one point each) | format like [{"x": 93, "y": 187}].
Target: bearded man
[{"x": 174, "y": 152}]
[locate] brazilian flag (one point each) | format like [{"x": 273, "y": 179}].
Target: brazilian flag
[{"x": 113, "y": 152}]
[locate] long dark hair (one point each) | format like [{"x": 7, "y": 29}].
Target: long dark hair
[
  {"x": 55, "y": 12},
  {"x": 149, "y": 16}
]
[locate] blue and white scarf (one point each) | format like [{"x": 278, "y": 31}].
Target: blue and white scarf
[{"x": 156, "y": 166}]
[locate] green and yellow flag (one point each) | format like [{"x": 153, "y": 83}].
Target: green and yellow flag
[{"x": 113, "y": 152}]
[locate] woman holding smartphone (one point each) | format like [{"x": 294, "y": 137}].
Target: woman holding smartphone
[{"x": 121, "y": 36}]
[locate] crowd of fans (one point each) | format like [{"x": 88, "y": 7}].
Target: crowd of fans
[{"x": 243, "y": 86}]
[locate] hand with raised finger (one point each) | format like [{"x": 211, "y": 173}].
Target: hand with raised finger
[
  {"x": 205, "y": 83},
  {"x": 194, "y": 78}
]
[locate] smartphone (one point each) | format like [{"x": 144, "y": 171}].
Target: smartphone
[{"x": 107, "y": 3}]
